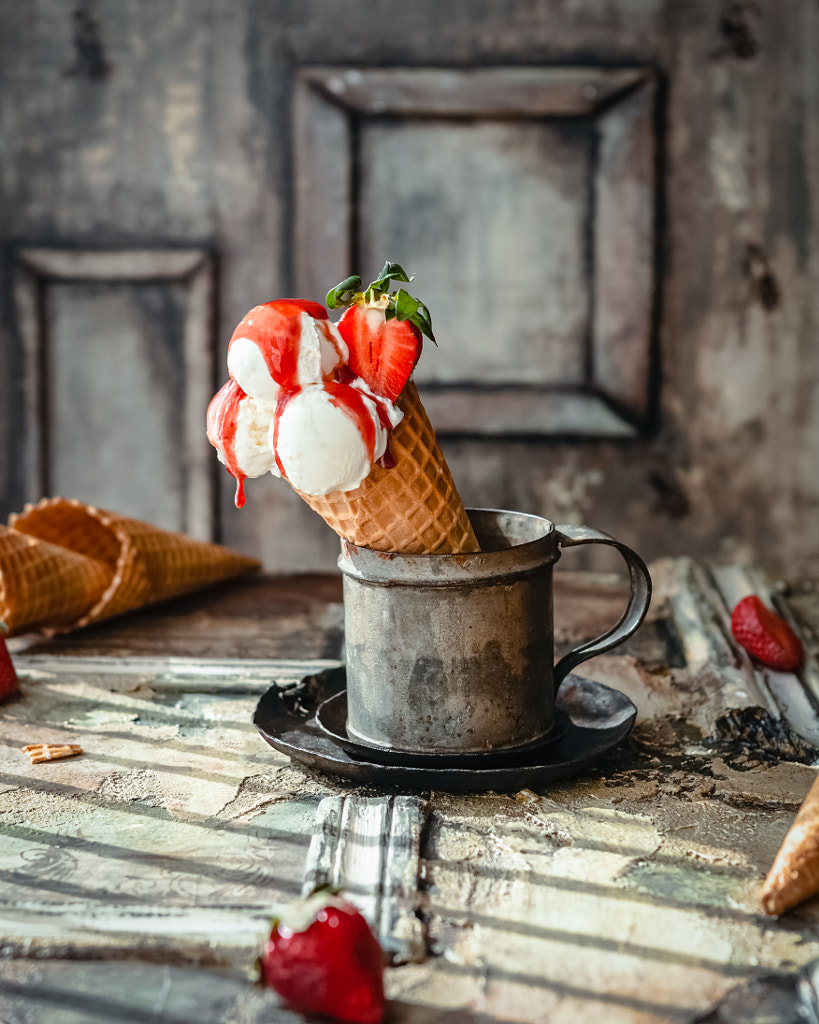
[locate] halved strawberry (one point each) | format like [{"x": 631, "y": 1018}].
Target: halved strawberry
[
  {"x": 383, "y": 353},
  {"x": 383, "y": 330},
  {"x": 765, "y": 635}
]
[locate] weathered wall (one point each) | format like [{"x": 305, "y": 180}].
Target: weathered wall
[{"x": 144, "y": 126}]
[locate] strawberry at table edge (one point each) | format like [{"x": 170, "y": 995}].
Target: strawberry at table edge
[
  {"x": 9, "y": 683},
  {"x": 766, "y": 635},
  {"x": 383, "y": 330},
  {"x": 321, "y": 957}
]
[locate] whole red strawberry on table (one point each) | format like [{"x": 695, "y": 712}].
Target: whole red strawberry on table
[
  {"x": 321, "y": 957},
  {"x": 9, "y": 683},
  {"x": 765, "y": 635}
]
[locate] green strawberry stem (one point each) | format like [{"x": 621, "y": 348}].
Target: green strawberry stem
[{"x": 399, "y": 305}]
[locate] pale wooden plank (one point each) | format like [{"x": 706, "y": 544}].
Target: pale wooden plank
[
  {"x": 113, "y": 264},
  {"x": 701, "y": 619},
  {"x": 322, "y": 167},
  {"x": 192, "y": 675},
  {"x": 369, "y": 848},
  {"x": 66, "y": 992},
  {"x": 498, "y": 411},
  {"x": 797, "y": 701},
  {"x": 199, "y": 356},
  {"x": 484, "y": 92},
  {"x": 624, "y": 189},
  {"x": 26, "y": 299}
]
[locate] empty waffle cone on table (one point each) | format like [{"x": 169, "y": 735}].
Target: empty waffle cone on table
[
  {"x": 65, "y": 564},
  {"x": 44, "y": 584},
  {"x": 794, "y": 875}
]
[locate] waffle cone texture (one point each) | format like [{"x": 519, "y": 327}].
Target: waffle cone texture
[
  {"x": 794, "y": 875},
  {"x": 413, "y": 507},
  {"x": 65, "y": 564},
  {"x": 43, "y": 585}
]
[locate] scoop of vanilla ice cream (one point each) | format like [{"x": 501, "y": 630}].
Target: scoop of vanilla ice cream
[
  {"x": 252, "y": 450},
  {"x": 247, "y": 366},
  {"x": 320, "y": 350},
  {"x": 321, "y": 445}
]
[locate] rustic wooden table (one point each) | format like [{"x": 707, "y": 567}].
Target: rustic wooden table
[{"x": 136, "y": 880}]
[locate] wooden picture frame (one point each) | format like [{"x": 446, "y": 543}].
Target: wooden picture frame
[
  {"x": 36, "y": 269},
  {"x": 611, "y": 396}
]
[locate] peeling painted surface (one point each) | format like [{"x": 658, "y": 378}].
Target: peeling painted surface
[{"x": 630, "y": 891}]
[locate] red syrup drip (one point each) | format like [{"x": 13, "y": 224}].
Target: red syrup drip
[
  {"x": 325, "y": 328},
  {"x": 221, "y": 422},
  {"x": 284, "y": 398},
  {"x": 344, "y": 375},
  {"x": 351, "y": 403},
  {"x": 387, "y": 460},
  {"x": 275, "y": 329}
]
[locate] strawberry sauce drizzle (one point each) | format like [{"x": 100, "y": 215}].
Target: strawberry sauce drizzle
[
  {"x": 387, "y": 460},
  {"x": 351, "y": 403},
  {"x": 284, "y": 398},
  {"x": 223, "y": 412},
  {"x": 276, "y": 329},
  {"x": 280, "y": 350}
]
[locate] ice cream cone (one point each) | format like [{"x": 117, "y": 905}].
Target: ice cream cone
[
  {"x": 43, "y": 585},
  {"x": 145, "y": 563},
  {"x": 794, "y": 875},
  {"x": 413, "y": 506}
]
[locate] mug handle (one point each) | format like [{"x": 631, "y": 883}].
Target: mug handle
[{"x": 638, "y": 602}]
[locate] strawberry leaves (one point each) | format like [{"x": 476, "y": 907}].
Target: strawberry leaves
[
  {"x": 344, "y": 292},
  {"x": 399, "y": 305}
]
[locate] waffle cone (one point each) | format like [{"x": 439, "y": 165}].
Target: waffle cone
[
  {"x": 43, "y": 585},
  {"x": 412, "y": 507},
  {"x": 145, "y": 563},
  {"x": 794, "y": 875}
]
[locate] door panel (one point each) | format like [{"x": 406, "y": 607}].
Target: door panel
[
  {"x": 436, "y": 198},
  {"x": 119, "y": 357},
  {"x": 524, "y": 199},
  {"x": 625, "y": 190}
]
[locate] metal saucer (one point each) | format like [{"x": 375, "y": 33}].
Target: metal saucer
[
  {"x": 331, "y": 716},
  {"x": 598, "y": 718}
]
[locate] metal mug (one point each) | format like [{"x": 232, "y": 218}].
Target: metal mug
[{"x": 454, "y": 654}]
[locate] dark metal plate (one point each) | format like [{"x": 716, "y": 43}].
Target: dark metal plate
[
  {"x": 599, "y": 718},
  {"x": 331, "y": 716}
]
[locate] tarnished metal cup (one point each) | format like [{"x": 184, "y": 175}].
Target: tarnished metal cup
[{"x": 454, "y": 654}]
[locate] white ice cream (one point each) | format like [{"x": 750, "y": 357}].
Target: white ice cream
[
  {"x": 247, "y": 367},
  {"x": 252, "y": 450},
  {"x": 321, "y": 446},
  {"x": 326, "y": 434},
  {"x": 321, "y": 350}
]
